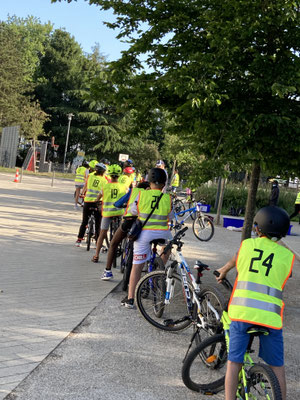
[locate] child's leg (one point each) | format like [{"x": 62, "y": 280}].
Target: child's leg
[
  {"x": 135, "y": 276},
  {"x": 231, "y": 379}
]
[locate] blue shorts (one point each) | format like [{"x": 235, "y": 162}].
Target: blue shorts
[{"x": 270, "y": 346}]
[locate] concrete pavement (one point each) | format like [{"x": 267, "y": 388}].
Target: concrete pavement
[{"x": 50, "y": 287}]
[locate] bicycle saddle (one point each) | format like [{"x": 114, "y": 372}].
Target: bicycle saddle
[
  {"x": 256, "y": 330},
  {"x": 158, "y": 241}
]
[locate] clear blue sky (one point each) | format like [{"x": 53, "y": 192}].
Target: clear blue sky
[{"x": 81, "y": 20}]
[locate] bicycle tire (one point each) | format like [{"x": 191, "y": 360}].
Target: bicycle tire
[
  {"x": 263, "y": 382},
  {"x": 204, "y": 367},
  {"x": 90, "y": 234},
  {"x": 203, "y": 228},
  {"x": 123, "y": 255},
  {"x": 211, "y": 300},
  {"x": 127, "y": 265},
  {"x": 176, "y": 315},
  {"x": 113, "y": 227}
]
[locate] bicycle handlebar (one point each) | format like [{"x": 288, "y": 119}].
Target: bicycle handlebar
[{"x": 225, "y": 282}]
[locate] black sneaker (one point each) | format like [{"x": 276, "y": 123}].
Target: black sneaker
[{"x": 128, "y": 303}]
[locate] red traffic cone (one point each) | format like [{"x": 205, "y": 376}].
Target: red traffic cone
[{"x": 17, "y": 177}]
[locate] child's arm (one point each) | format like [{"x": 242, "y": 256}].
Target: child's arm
[{"x": 226, "y": 268}]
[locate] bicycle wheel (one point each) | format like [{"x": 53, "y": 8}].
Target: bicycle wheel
[
  {"x": 203, "y": 228},
  {"x": 168, "y": 317},
  {"x": 178, "y": 206},
  {"x": 90, "y": 234},
  {"x": 127, "y": 264},
  {"x": 213, "y": 303},
  {"x": 262, "y": 383},
  {"x": 204, "y": 368}
]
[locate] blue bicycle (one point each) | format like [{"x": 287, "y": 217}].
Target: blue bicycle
[{"x": 203, "y": 227}]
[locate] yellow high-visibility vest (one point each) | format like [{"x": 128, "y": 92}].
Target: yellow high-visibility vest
[
  {"x": 80, "y": 175},
  {"x": 133, "y": 195},
  {"x": 298, "y": 198},
  {"x": 175, "y": 180},
  {"x": 95, "y": 184},
  {"x": 159, "y": 219},
  {"x": 263, "y": 268},
  {"x": 112, "y": 192}
]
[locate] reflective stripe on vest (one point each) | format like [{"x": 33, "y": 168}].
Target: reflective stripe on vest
[
  {"x": 159, "y": 218},
  {"x": 80, "y": 174},
  {"x": 111, "y": 193},
  {"x": 257, "y": 287},
  {"x": 95, "y": 184},
  {"x": 263, "y": 269},
  {"x": 298, "y": 199}
]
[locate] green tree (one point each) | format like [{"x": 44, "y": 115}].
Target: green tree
[
  {"x": 12, "y": 84},
  {"x": 228, "y": 71}
]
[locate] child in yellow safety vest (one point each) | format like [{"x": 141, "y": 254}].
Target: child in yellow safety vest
[
  {"x": 92, "y": 188},
  {"x": 175, "y": 181},
  {"x": 80, "y": 179},
  {"x": 110, "y": 193},
  {"x": 155, "y": 228},
  {"x": 263, "y": 267}
]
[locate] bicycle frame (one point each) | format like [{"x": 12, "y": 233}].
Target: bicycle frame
[
  {"x": 247, "y": 363},
  {"x": 185, "y": 272},
  {"x": 189, "y": 212}
]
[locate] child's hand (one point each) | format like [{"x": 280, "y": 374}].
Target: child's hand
[{"x": 222, "y": 275}]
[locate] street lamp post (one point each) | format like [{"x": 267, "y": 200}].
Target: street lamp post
[{"x": 67, "y": 139}]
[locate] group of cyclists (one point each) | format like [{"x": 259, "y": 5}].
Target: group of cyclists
[
  {"x": 263, "y": 266},
  {"x": 111, "y": 190}
]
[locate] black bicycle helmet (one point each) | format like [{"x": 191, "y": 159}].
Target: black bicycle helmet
[
  {"x": 100, "y": 167},
  {"x": 85, "y": 164},
  {"x": 272, "y": 221},
  {"x": 157, "y": 175},
  {"x": 105, "y": 161}
]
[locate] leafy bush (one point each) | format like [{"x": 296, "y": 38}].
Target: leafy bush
[{"x": 235, "y": 195}]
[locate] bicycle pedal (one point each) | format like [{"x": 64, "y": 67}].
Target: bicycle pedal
[
  {"x": 169, "y": 322},
  {"x": 103, "y": 250}
]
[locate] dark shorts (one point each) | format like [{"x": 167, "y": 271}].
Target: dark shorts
[{"x": 270, "y": 346}]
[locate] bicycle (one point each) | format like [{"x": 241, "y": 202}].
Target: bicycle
[
  {"x": 204, "y": 367},
  {"x": 173, "y": 302},
  {"x": 91, "y": 229},
  {"x": 127, "y": 257},
  {"x": 203, "y": 226}
]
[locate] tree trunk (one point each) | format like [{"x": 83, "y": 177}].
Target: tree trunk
[
  {"x": 251, "y": 201},
  {"x": 221, "y": 196}
]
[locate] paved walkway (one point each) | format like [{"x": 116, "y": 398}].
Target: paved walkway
[{"x": 49, "y": 287}]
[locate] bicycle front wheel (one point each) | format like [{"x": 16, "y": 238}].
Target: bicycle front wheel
[
  {"x": 204, "y": 368},
  {"x": 173, "y": 316},
  {"x": 212, "y": 304},
  {"x": 90, "y": 234},
  {"x": 262, "y": 383},
  {"x": 203, "y": 228}
]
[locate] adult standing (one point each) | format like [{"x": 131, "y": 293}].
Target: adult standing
[
  {"x": 175, "y": 181},
  {"x": 297, "y": 207},
  {"x": 274, "y": 196},
  {"x": 80, "y": 179},
  {"x": 92, "y": 188}
]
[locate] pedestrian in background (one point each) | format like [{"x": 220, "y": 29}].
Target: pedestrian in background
[{"x": 274, "y": 196}]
